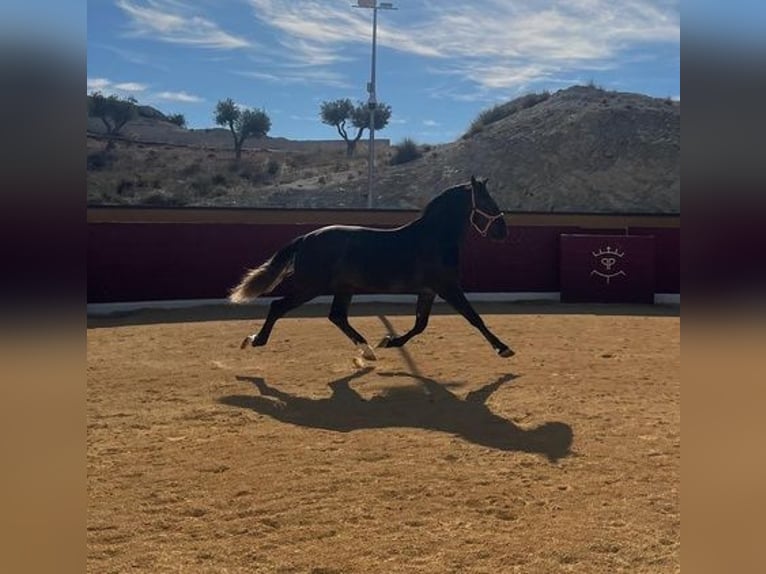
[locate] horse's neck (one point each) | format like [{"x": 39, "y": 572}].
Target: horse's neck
[{"x": 448, "y": 218}]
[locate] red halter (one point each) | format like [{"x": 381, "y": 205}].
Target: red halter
[{"x": 474, "y": 210}]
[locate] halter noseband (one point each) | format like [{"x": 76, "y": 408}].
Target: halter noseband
[{"x": 474, "y": 210}]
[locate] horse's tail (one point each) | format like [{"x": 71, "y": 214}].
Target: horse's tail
[{"x": 266, "y": 277}]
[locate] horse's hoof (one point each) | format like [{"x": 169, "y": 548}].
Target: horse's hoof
[
  {"x": 248, "y": 341},
  {"x": 384, "y": 342},
  {"x": 505, "y": 353},
  {"x": 367, "y": 352}
]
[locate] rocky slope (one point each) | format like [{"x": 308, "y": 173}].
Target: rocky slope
[{"x": 581, "y": 150}]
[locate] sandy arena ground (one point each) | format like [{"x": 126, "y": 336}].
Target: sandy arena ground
[{"x": 442, "y": 458}]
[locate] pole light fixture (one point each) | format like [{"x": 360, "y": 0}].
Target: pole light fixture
[{"x": 372, "y": 99}]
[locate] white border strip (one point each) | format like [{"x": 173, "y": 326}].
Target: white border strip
[
  {"x": 667, "y": 298},
  {"x": 95, "y": 309}
]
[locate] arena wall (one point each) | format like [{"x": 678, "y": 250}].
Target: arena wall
[{"x": 144, "y": 254}]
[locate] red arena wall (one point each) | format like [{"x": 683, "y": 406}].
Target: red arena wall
[{"x": 161, "y": 254}]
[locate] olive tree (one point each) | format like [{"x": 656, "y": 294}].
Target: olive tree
[
  {"x": 343, "y": 115},
  {"x": 177, "y": 119},
  {"x": 112, "y": 110},
  {"x": 243, "y": 123}
]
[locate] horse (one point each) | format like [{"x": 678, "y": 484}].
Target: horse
[{"x": 421, "y": 257}]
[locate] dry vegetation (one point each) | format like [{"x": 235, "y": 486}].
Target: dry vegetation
[
  {"x": 582, "y": 149},
  {"x": 134, "y": 173}
]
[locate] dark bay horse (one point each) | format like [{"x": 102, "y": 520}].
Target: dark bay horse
[{"x": 421, "y": 257}]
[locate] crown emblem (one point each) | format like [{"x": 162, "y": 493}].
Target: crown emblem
[{"x": 608, "y": 251}]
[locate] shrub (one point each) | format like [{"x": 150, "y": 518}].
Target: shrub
[
  {"x": 99, "y": 160},
  {"x": 406, "y": 151},
  {"x": 202, "y": 187},
  {"x": 273, "y": 167},
  {"x": 501, "y": 111},
  {"x": 593, "y": 85},
  {"x": 163, "y": 198},
  {"x": 255, "y": 173},
  {"x": 177, "y": 119},
  {"x": 191, "y": 169},
  {"x": 299, "y": 160},
  {"x": 125, "y": 186},
  {"x": 219, "y": 179}
]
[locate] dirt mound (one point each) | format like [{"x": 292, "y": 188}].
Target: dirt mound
[{"x": 582, "y": 149}]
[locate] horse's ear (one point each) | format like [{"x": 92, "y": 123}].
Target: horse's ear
[
  {"x": 484, "y": 180},
  {"x": 473, "y": 180}
]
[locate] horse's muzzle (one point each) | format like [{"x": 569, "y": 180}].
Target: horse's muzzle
[{"x": 498, "y": 231}]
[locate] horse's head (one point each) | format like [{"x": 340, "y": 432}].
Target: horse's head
[{"x": 486, "y": 217}]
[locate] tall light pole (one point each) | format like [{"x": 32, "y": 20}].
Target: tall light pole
[{"x": 372, "y": 100}]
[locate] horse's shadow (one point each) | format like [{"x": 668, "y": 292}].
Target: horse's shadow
[{"x": 435, "y": 409}]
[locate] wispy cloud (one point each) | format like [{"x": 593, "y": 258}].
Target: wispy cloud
[
  {"x": 124, "y": 89},
  {"x": 431, "y": 123},
  {"x": 98, "y": 84},
  {"x": 313, "y": 21},
  {"x": 119, "y": 88},
  {"x": 258, "y": 75},
  {"x": 494, "y": 44},
  {"x": 292, "y": 75},
  {"x": 243, "y": 106},
  {"x": 174, "y": 22},
  {"x": 130, "y": 87},
  {"x": 312, "y": 37},
  {"x": 304, "y": 53},
  {"x": 179, "y": 97}
]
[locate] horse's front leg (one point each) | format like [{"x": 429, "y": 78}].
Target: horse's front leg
[
  {"x": 339, "y": 317},
  {"x": 454, "y": 296},
  {"x": 277, "y": 309},
  {"x": 422, "y": 313}
]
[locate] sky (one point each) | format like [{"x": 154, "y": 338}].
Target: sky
[{"x": 439, "y": 64}]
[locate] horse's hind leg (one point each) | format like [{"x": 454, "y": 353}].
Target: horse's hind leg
[
  {"x": 276, "y": 310},
  {"x": 422, "y": 312},
  {"x": 454, "y": 295},
  {"x": 339, "y": 317}
]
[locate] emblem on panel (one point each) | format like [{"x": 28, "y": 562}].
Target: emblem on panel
[{"x": 608, "y": 263}]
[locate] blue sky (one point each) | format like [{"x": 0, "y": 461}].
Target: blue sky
[{"x": 439, "y": 64}]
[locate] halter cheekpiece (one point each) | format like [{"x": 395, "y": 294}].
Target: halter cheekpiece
[{"x": 474, "y": 210}]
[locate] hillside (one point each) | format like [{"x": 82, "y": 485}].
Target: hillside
[{"x": 580, "y": 150}]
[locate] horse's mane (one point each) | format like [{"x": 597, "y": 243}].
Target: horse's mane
[{"x": 438, "y": 202}]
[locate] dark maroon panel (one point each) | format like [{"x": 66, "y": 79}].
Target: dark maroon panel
[
  {"x": 155, "y": 261},
  {"x": 526, "y": 262},
  {"x": 607, "y": 268}
]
